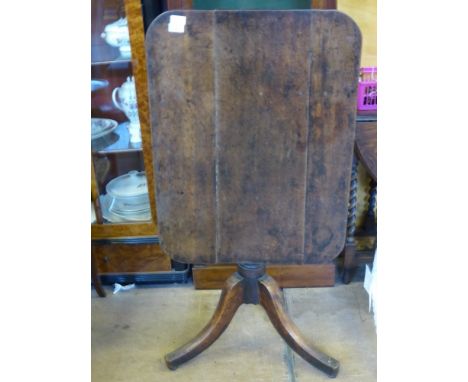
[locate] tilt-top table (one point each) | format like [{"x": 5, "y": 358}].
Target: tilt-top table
[{"x": 253, "y": 120}]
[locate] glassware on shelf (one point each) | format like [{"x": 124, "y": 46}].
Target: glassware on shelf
[
  {"x": 116, "y": 35},
  {"x": 125, "y": 99}
]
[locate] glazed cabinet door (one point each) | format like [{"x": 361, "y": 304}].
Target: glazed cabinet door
[{"x": 122, "y": 198}]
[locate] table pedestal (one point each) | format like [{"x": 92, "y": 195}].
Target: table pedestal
[{"x": 251, "y": 285}]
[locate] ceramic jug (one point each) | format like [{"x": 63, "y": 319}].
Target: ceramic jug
[{"x": 125, "y": 99}]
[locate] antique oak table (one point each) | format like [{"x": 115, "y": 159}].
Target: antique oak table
[{"x": 253, "y": 120}]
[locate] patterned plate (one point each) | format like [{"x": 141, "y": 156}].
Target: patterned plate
[{"x": 102, "y": 126}]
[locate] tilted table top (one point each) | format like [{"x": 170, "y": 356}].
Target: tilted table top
[{"x": 253, "y": 118}]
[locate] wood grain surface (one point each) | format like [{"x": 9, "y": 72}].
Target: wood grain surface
[
  {"x": 287, "y": 276},
  {"x": 253, "y": 118},
  {"x": 128, "y": 258},
  {"x": 230, "y": 300},
  {"x": 139, "y": 67},
  {"x": 272, "y": 301}
]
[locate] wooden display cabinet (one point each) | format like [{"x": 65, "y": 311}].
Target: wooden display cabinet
[{"x": 120, "y": 246}]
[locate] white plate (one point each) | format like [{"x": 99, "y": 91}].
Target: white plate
[
  {"x": 98, "y": 84},
  {"x": 115, "y": 218},
  {"x": 122, "y": 207},
  {"x": 144, "y": 209},
  {"x": 145, "y": 216},
  {"x": 102, "y": 126}
]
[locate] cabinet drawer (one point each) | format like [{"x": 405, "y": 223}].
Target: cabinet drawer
[{"x": 130, "y": 258}]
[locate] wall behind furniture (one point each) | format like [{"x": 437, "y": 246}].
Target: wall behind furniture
[{"x": 364, "y": 12}]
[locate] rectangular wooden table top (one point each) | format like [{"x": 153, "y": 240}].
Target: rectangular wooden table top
[{"x": 253, "y": 118}]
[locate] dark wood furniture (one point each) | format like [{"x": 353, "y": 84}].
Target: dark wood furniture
[
  {"x": 366, "y": 153},
  {"x": 287, "y": 276},
  {"x": 292, "y": 276},
  {"x": 253, "y": 117},
  {"x": 251, "y": 285},
  {"x": 365, "y": 149}
]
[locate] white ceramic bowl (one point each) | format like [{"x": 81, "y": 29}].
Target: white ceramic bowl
[{"x": 129, "y": 194}]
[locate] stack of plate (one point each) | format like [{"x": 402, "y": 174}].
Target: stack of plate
[{"x": 127, "y": 198}]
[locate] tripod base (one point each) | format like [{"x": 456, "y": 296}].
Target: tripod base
[{"x": 251, "y": 285}]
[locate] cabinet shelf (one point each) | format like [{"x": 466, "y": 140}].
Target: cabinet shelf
[
  {"x": 116, "y": 142},
  {"x": 103, "y": 60}
]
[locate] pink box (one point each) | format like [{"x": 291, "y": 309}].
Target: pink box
[{"x": 367, "y": 89}]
